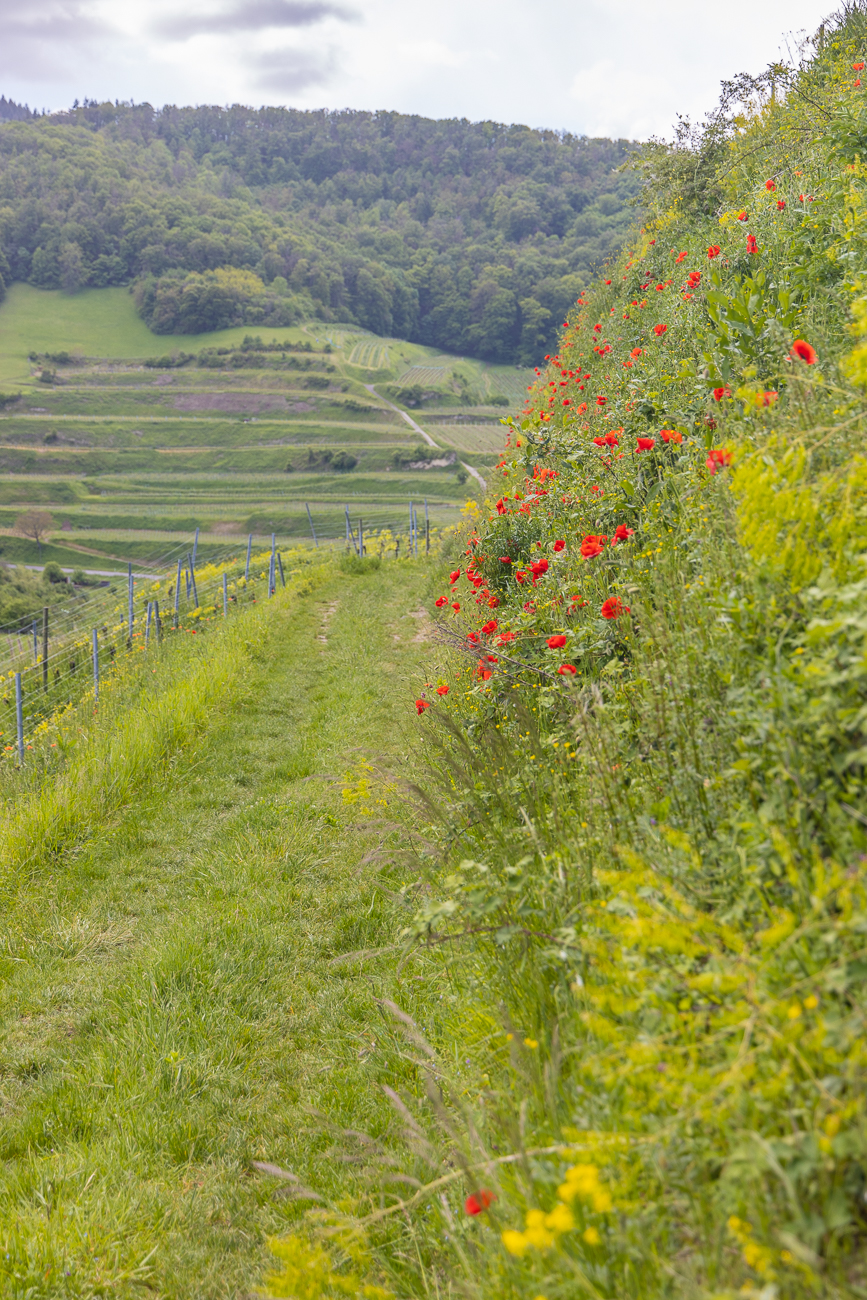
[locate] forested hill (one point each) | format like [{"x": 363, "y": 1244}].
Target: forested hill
[{"x": 471, "y": 237}]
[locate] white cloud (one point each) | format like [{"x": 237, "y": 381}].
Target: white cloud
[{"x": 602, "y": 67}]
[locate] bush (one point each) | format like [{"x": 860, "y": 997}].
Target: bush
[{"x": 52, "y": 572}]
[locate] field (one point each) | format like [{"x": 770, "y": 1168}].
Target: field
[{"x": 129, "y": 459}]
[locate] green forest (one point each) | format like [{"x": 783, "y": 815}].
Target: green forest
[{"x": 470, "y": 237}]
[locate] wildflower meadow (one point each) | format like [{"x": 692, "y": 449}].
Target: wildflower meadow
[{"x": 636, "y": 1065}]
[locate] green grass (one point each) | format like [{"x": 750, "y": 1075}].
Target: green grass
[{"x": 170, "y": 1003}]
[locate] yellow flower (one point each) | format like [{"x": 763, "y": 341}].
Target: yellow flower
[
  {"x": 515, "y": 1242},
  {"x": 560, "y": 1219},
  {"x": 591, "y": 1236},
  {"x": 535, "y": 1231},
  {"x": 531, "y": 1042}
]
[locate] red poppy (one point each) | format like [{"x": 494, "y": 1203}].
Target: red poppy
[
  {"x": 681, "y": 257},
  {"x": 770, "y": 185},
  {"x": 442, "y": 690},
  {"x": 718, "y": 457},
  {"x": 600, "y": 401},
  {"x": 538, "y": 567},
  {"x": 611, "y": 439},
  {"x": 622, "y": 534},
  {"x": 443, "y": 600},
  {"x": 613, "y": 607},
  {"x": 505, "y": 638},
  {"x": 645, "y": 444},
  {"x": 671, "y": 435},
  {"x": 501, "y": 507},
  {"x": 592, "y": 545},
  {"x": 804, "y": 352},
  {"x": 483, "y": 672},
  {"x": 566, "y": 401},
  {"x": 456, "y": 607},
  {"x": 479, "y": 1202},
  {"x": 659, "y": 330},
  {"x": 600, "y": 442},
  {"x": 720, "y": 393},
  {"x": 473, "y": 637},
  {"x": 781, "y": 204},
  {"x": 742, "y": 216},
  {"x": 752, "y": 246},
  {"x": 453, "y": 577},
  {"x": 636, "y": 352},
  {"x": 769, "y": 397},
  {"x": 420, "y": 706},
  {"x": 490, "y": 627},
  {"x": 567, "y": 670},
  {"x": 713, "y": 251},
  {"x": 694, "y": 278},
  {"x": 559, "y": 545},
  {"x": 857, "y": 67},
  {"x": 520, "y": 575},
  {"x": 556, "y": 642},
  {"x": 493, "y": 602},
  {"x": 505, "y": 559}
]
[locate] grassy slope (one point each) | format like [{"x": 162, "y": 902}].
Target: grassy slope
[{"x": 169, "y": 1003}]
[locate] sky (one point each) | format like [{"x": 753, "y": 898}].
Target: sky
[{"x": 593, "y": 67}]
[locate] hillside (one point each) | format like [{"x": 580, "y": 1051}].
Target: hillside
[
  {"x": 132, "y": 441},
  {"x": 492, "y": 924},
  {"x": 465, "y": 237}
]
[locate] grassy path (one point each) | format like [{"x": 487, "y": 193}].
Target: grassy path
[{"x": 168, "y": 1004}]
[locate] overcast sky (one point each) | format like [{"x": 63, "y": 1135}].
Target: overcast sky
[{"x": 598, "y": 67}]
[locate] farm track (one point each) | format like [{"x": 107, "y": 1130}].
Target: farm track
[{"x": 173, "y": 1006}]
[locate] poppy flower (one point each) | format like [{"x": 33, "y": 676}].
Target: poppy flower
[
  {"x": 636, "y": 352},
  {"x": 556, "y": 642},
  {"x": 600, "y": 441},
  {"x": 713, "y": 251},
  {"x": 804, "y": 352},
  {"x": 781, "y": 204},
  {"x": 520, "y": 575},
  {"x": 770, "y": 397},
  {"x": 611, "y": 439},
  {"x": 592, "y": 545},
  {"x": 567, "y": 670},
  {"x": 567, "y": 401},
  {"x": 473, "y": 638},
  {"x": 501, "y": 507},
  {"x": 857, "y": 67},
  {"x": 659, "y": 330},
  {"x": 742, "y": 216},
  {"x": 453, "y": 577},
  {"x": 671, "y": 435},
  {"x": 505, "y": 638},
  {"x": 559, "y": 545},
  {"x": 490, "y": 627},
  {"x": 600, "y": 401},
  {"x": 456, "y": 607},
  {"x": 718, "y": 457},
  {"x": 443, "y": 600},
  {"x": 770, "y": 185},
  {"x": 505, "y": 559},
  {"x": 613, "y": 607},
  {"x": 483, "y": 672},
  {"x": 720, "y": 393},
  {"x": 681, "y": 257},
  {"x": 421, "y": 705},
  {"x": 493, "y": 602},
  {"x": 645, "y": 444},
  {"x": 479, "y": 1202},
  {"x": 442, "y": 690},
  {"x": 752, "y": 246},
  {"x": 622, "y": 534},
  {"x": 694, "y": 278}
]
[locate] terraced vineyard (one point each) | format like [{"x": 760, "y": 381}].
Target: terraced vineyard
[{"x": 130, "y": 454}]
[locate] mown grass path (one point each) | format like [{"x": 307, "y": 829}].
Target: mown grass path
[{"x": 169, "y": 1002}]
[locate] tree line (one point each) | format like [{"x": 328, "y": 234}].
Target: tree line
[{"x": 471, "y": 237}]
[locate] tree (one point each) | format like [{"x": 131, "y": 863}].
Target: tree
[{"x": 35, "y": 524}]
